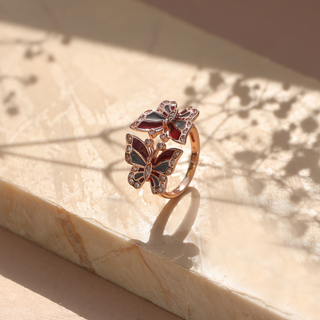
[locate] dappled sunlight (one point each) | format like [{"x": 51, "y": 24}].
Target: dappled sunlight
[{"x": 267, "y": 134}]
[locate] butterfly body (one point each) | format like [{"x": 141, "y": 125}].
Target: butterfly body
[
  {"x": 147, "y": 165},
  {"x": 167, "y": 122}
]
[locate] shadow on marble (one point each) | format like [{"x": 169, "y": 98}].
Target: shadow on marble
[
  {"x": 32, "y": 49},
  {"x": 173, "y": 246},
  {"x": 290, "y": 143},
  {"x": 104, "y": 135},
  {"x": 9, "y": 96},
  {"x": 248, "y": 24}
]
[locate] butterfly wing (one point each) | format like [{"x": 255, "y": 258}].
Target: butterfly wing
[
  {"x": 138, "y": 155},
  {"x": 180, "y": 127},
  {"x": 162, "y": 167},
  {"x": 166, "y": 107},
  {"x": 189, "y": 114},
  {"x": 136, "y": 177},
  {"x": 148, "y": 121}
]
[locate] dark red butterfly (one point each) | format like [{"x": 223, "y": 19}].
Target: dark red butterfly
[
  {"x": 167, "y": 122},
  {"x": 147, "y": 166}
]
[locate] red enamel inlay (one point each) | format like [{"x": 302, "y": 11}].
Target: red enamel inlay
[
  {"x": 174, "y": 133},
  {"x": 141, "y": 179},
  {"x": 155, "y": 173},
  {"x": 149, "y": 125},
  {"x": 166, "y": 155},
  {"x": 140, "y": 147}
]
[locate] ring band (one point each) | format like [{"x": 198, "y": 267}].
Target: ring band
[
  {"x": 167, "y": 122},
  {"x": 195, "y": 151}
]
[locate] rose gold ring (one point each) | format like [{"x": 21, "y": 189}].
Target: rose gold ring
[{"x": 156, "y": 163}]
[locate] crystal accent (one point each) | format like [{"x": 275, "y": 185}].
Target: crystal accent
[
  {"x": 129, "y": 139},
  {"x": 137, "y": 185},
  {"x": 171, "y": 116},
  {"x": 176, "y": 154},
  {"x": 160, "y": 146},
  {"x": 148, "y": 170},
  {"x": 131, "y": 181}
]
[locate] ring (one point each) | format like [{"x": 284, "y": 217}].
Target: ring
[{"x": 155, "y": 163}]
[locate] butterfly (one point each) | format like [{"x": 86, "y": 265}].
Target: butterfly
[
  {"x": 147, "y": 166},
  {"x": 167, "y": 119}
]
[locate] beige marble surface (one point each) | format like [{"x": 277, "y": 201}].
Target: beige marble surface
[{"x": 244, "y": 242}]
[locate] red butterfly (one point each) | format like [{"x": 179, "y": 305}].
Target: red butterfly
[
  {"x": 147, "y": 166},
  {"x": 167, "y": 119}
]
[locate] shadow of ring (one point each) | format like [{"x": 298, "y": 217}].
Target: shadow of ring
[{"x": 186, "y": 224}]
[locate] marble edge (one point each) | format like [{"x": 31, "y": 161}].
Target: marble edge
[{"x": 110, "y": 249}]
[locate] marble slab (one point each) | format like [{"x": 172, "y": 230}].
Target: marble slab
[{"x": 243, "y": 242}]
